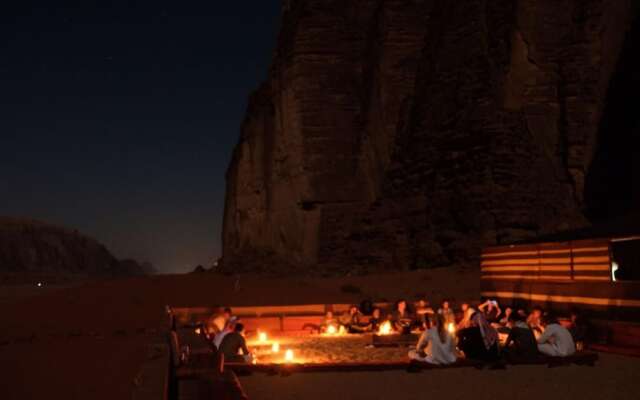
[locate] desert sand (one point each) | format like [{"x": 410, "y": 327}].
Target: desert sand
[{"x": 88, "y": 341}]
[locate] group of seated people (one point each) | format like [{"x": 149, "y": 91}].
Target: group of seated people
[{"x": 476, "y": 333}]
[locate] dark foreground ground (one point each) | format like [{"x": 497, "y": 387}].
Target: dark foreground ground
[
  {"x": 614, "y": 377},
  {"x": 88, "y": 341}
]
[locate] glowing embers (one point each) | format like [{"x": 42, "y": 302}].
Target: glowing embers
[
  {"x": 332, "y": 330},
  {"x": 385, "y": 328}
]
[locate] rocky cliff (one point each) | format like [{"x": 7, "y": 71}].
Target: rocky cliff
[
  {"x": 399, "y": 134},
  {"x": 35, "y": 250}
]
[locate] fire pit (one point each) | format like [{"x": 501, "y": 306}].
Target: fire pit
[{"x": 323, "y": 349}]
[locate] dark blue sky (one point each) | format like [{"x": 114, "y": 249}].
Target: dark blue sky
[{"x": 120, "y": 120}]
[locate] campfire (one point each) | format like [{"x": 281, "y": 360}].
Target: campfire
[
  {"x": 385, "y": 328},
  {"x": 288, "y": 356}
]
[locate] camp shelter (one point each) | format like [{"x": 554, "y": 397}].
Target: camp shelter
[{"x": 595, "y": 270}]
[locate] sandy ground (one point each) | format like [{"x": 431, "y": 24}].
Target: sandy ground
[
  {"x": 614, "y": 377},
  {"x": 87, "y": 342}
]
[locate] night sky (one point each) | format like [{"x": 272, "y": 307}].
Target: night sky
[{"x": 119, "y": 121}]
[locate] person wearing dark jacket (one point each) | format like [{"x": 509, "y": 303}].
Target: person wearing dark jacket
[{"x": 521, "y": 344}]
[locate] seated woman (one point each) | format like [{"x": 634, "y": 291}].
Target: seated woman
[
  {"x": 480, "y": 340},
  {"x": 556, "y": 340},
  {"x": 234, "y": 346},
  {"x": 436, "y": 346},
  {"x": 521, "y": 345},
  {"x": 401, "y": 318}
]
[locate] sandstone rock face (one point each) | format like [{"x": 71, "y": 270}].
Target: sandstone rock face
[
  {"x": 35, "y": 250},
  {"x": 398, "y": 134}
]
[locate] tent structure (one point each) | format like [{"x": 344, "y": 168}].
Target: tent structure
[{"x": 598, "y": 276}]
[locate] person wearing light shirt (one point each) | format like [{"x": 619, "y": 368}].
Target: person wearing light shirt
[
  {"x": 436, "y": 345},
  {"x": 556, "y": 340}
]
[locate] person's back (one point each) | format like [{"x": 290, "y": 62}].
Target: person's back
[
  {"x": 232, "y": 344},
  {"x": 435, "y": 345},
  {"x": 556, "y": 341},
  {"x": 521, "y": 343}
]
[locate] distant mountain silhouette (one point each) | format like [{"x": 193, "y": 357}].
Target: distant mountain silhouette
[{"x": 32, "y": 249}]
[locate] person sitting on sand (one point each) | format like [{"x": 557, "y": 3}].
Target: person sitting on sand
[
  {"x": 556, "y": 340},
  {"x": 436, "y": 346},
  {"x": 491, "y": 310},
  {"x": 375, "y": 320},
  {"x": 328, "y": 321},
  {"x": 423, "y": 311},
  {"x": 467, "y": 313},
  {"x": 401, "y": 318},
  {"x": 447, "y": 313},
  {"x": 233, "y": 344},
  {"x": 521, "y": 345},
  {"x": 504, "y": 321},
  {"x": 578, "y": 328},
  {"x": 534, "y": 320},
  {"x": 351, "y": 320},
  {"x": 480, "y": 340}
]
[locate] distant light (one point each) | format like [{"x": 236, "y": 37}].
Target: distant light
[
  {"x": 39, "y": 284},
  {"x": 614, "y": 269}
]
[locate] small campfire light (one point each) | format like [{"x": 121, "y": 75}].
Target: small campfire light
[
  {"x": 342, "y": 330},
  {"x": 288, "y": 355},
  {"x": 262, "y": 337},
  {"x": 275, "y": 348},
  {"x": 451, "y": 328},
  {"x": 385, "y": 328},
  {"x": 198, "y": 331},
  {"x": 331, "y": 330}
]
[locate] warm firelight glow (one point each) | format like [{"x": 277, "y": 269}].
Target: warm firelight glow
[
  {"x": 288, "y": 355},
  {"x": 451, "y": 328},
  {"x": 342, "y": 330},
  {"x": 385, "y": 328},
  {"x": 331, "y": 330},
  {"x": 262, "y": 337},
  {"x": 275, "y": 348},
  {"x": 197, "y": 331}
]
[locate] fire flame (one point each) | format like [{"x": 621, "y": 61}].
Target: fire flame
[
  {"x": 451, "y": 328},
  {"x": 275, "y": 348},
  {"x": 342, "y": 330},
  {"x": 385, "y": 328},
  {"x": 197, "y": 331},
  {"x": 288, "y": 355},
  {"x": 262, "y": 337},
  {"x": 331, "y": 330}
]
